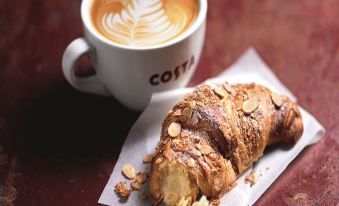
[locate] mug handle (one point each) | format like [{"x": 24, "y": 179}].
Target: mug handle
[{"x": 73, "y": 52}]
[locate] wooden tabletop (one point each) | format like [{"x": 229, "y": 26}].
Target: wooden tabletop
[{"x": 59, "y": 146}]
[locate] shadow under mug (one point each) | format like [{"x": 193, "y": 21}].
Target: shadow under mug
[{"x": 133, "y": 74}]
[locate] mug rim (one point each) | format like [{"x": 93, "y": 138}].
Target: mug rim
[{"x": 86, "y": 19}]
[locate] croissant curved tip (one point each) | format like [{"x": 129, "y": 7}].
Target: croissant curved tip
[{"x": 293, "y": 125}]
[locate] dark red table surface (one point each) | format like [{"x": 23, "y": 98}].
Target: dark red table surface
[{"x": 61, "y": 145}]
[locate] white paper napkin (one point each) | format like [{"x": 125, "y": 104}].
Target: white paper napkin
[{"x": 145, "y": 133}]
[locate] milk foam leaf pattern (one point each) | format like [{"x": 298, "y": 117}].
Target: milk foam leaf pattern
[{"x": 144, "y": 23}]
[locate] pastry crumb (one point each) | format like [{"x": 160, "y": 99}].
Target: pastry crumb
[
  {"x": 122, "y": 190},
  {"x": 298, "y": 199},
  {"x": 140, "y": 179},
  {"x": 250, "y": 178},
  {"x": 136, "y": 185}
]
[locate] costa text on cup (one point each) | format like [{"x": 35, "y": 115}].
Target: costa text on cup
[{"x": 166, "y": 76}]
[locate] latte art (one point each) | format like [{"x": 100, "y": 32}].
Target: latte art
[{"x": 143, "y": 22}]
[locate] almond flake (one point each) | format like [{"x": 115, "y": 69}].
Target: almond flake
[
  {"x": 219, "y": 92},
  {"x": 129, "y": 171},
  {"x": 191, "y": 163},
  {"x": 276, "y": 99},
  {"x": 187, "y": 112},
  {"x": 250, "y": 105},
  {"x": 205, "y": 149},
  {"x": 143, "y": 196},
  {"x": 122, "y": 190},
  {"x": 228, "y": 88},
  {"x": 174, "y": 129},
  {"x": 177, "y": 113},
  {"x": 148, "y": 158}
]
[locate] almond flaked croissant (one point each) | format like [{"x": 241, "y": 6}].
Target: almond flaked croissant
[{"x": 211, "y": 136}]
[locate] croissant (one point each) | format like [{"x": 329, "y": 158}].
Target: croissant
[{"x": 213, "y": 134}]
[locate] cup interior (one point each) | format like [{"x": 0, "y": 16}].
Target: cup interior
[{"x": 86, "y": 7}]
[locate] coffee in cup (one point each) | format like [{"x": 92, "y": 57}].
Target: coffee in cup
[{"x": 143, "y": 22}]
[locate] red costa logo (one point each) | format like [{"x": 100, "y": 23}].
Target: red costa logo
[{"x": 168, "y": 75}]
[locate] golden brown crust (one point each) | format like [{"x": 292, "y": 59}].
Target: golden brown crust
[{"x": 223, "y": 130}]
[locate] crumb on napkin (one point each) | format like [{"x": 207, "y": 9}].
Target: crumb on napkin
[
  {"x": 122, "y": 190},
  {"x": 250, "y": 178},
  {"x": 139, "y": 180}
]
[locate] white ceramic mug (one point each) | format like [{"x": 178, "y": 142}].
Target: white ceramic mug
[{"x": 132, "y": 74}]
